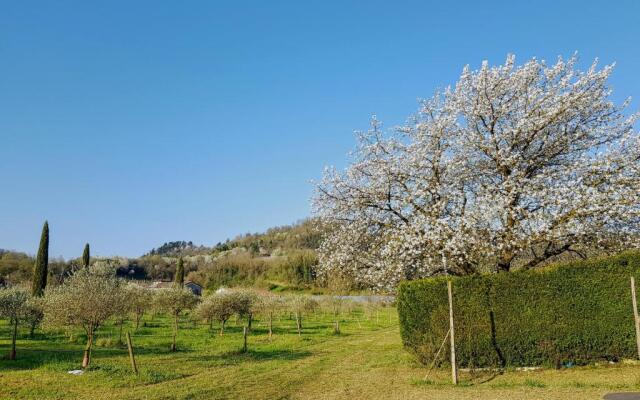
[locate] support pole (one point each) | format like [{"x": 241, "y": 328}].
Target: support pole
[
  {"x": 244, "y": 338},
  {"x": 454, "y": 368},
  {"x": 635, "y": 313},
  {"x": 131, "y": 357}
]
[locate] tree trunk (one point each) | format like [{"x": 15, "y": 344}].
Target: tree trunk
[
  {"x": 250, "y": 319},
  {"x": 14, "y": 337},
  {"x": 222, "y": 327},
  {"x": 299, "y": 323},
  {"x": 138, "y": 318},
  {"x": 86, "y": 360},
  {"x": 270, "y": 325},
  {"x": 121, "y": 322},
  {"x": 175, "y": 332},
  {"x": 32, "y": 328},
  {"x": 503, "y": 266}
]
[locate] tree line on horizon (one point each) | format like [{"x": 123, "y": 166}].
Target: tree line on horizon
[{"x": 284, "y": 254}]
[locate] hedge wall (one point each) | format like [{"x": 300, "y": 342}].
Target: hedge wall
[{"x": 577, "y": 312}]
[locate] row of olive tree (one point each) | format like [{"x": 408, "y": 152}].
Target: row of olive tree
[
  {"x": 246, "y": 303},
  {"x": 87, "y": 299},
  {"x": 91, "y": 297}
]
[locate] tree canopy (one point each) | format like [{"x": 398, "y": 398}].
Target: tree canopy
[{"x": 510, "y": 167}]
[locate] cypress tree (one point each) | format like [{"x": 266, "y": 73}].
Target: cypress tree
[
  {"x": 40, "y": 269},
  {"x": 179, "y": 277},
  {"x": 86, "y": 257}
]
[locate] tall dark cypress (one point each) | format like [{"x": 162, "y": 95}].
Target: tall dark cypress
[
  {"x": 86, "y": 257},
  {"x": 179, "y": 278},
  {"x": 40, "y": 269}
]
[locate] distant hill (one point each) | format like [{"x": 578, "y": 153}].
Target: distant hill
[
  {"x": 283, "y": 256},
  {"x": 178, "y": 248},
  {"x": 303, "y": 235},
  {"x": 15, "y": 266}
]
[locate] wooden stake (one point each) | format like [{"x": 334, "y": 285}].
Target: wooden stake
[
  {"x": 635, "y": 313},
  {"x": 454, "y": 368},
  {"x": 131, "y": 357},
  {"x": 244, "y": 336}
]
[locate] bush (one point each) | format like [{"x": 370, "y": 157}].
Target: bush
[{"x": 579, "y": 312}]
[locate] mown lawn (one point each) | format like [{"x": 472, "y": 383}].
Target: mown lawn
[{"x": 366, "y": 361}]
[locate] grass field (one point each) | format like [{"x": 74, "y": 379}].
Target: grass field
[{"x": 366, "y": 361}]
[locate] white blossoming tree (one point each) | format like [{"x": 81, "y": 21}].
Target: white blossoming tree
[{"x": 511, "y": 167}]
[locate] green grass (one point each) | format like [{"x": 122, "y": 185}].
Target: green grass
[{"x": 366, "y": 361}]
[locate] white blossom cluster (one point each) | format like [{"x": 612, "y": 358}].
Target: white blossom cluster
[{"x": 510, "y": 167}]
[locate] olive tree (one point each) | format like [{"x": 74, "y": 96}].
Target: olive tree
[
  {"x": 122, "y": 308},
  {"x": 245, "y": 304},
  {"x": 269, "y": 305},
  {"x": 16, "y": 306},
  {"x": 139, "y": 300},
  {"x": 85, "y": 300},
  {"x": 512, "y": 166},
  {"x": 334, "y": 305},
  {"x": 174, "y": 301},
  {"x": 220, "y": 307},
  {"x": 300, "y": 305}
]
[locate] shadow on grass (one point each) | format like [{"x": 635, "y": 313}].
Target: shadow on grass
[
  {"x": 480, "y": 377},
  {"x": 237, "y": 357},
  {"x": 471, "y": 378},
  {"x": 66, "y": 356}
]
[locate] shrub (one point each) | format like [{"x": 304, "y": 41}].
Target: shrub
[{"x": 578, "y": 312}]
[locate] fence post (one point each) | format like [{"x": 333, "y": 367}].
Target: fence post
[
  {"x": 244, "y": 338},
  {"x": 131, "y": 357},
  {"x": 454, "y": 368},
  {"x": 636, "y": 319}
]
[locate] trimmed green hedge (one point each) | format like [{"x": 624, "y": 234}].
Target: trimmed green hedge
[{"x": 576, "y": 312}]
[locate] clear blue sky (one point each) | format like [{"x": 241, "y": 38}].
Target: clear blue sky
[{"x": 131, "y": 123}]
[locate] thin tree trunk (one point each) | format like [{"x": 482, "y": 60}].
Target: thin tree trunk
[
  {"x": 14, "y": 337},
  {"x": 120, "y": 334},
  {"x": 32, "y": 328},
  {"x": 138, "y": 318},
  {"x": 86, "y": 360},
  {"x": 270, "y": 325},
  {"x": 175, "y": 332},
  {"x": 222, "y": 327}
]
